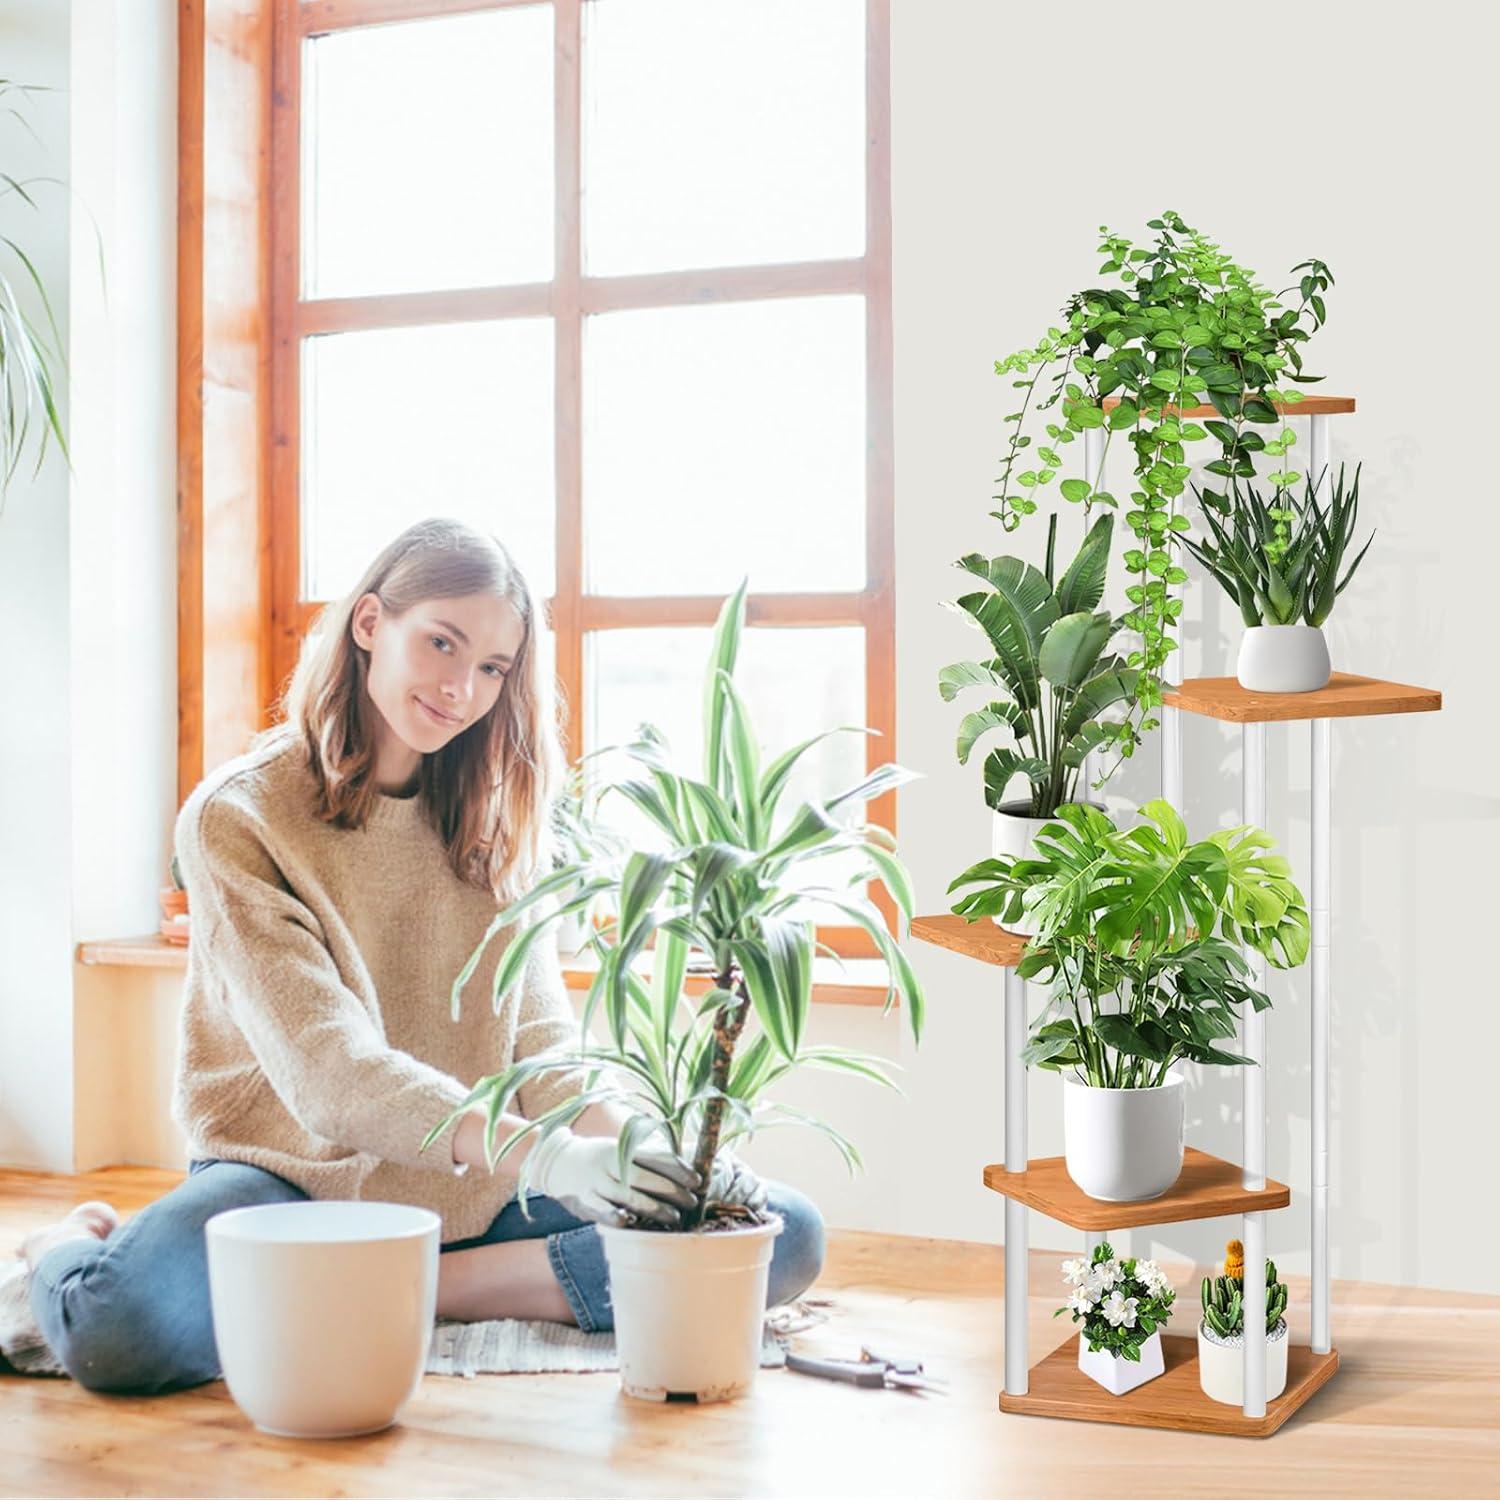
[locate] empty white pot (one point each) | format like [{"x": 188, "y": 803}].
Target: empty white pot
[
  {"x": 1283, "y": 659},
  {"x": 323, "y": 1311},
  {"x": 1118, "y": 1375},
  {"x": 1121, "y": 1145},
  {"x": 689, "y": 1308},
  {"x": 1221, "y": 1364}
]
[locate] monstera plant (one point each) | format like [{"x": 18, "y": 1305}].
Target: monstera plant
[{"x": 1049, "y": 655}]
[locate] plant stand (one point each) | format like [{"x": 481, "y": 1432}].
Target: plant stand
[{"x": 1207, "y": 1187}]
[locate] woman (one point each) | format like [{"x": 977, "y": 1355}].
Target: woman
[{"x": 339, "y": 875}]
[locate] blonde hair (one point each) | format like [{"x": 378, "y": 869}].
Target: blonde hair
[{"x": 489, "y": 791}]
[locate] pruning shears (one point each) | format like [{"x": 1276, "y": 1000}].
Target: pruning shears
[{"x": 872, "y": 1370}]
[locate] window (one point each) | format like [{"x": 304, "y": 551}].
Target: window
[{"x": 609, "y": 278}]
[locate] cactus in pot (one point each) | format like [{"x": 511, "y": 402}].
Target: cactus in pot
[{"x": 1221, "y": 1367}]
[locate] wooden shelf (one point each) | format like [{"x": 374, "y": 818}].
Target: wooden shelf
[
  {"x": 1206, "y": 1188},
  {"x": 1309, "y": 406},
  {"x": 150, "y": 952},
  {"x": 982, "y": 939},
  {"x": 1174, "y": 1399},
  {"x": 1345, "y": 697}
]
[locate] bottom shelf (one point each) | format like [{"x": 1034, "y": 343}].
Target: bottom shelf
[{"x": 1174, "y": 1399}]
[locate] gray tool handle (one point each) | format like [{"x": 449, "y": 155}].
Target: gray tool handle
[{"x": 854, "y": 1372}]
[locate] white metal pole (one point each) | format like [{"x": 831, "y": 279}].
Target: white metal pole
[
  {"x": 1171, "y": 718},
  {"x": 1253, "y": 1076},
  {"x": 1016, "y": 1363},
  {"x": 1093, "y": 473},
  {"x": 1317, "y": 454},
  {"x": 1322, "y": 809}
]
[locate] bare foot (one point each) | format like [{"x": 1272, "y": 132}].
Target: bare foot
[{"x": 94, "y": 1219}]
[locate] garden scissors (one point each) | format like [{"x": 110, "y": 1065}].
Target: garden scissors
[{"x": 870, "y": 1369}]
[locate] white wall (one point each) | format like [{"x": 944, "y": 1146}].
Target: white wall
[
  {"x": 1018, "y": 130},
  {"x": 88, "y": 609}
]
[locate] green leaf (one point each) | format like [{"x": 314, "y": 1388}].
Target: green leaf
[
  {"x": 1073, "y": 646},
  {"x": 1075, "y": 489},
  {"x": 1082, "y": 586}
]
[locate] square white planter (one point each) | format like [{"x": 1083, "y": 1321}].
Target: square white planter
[{"x": 1118, "y": 1375}]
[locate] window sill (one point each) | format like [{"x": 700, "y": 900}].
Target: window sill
[{"x": 855, "y": 981}]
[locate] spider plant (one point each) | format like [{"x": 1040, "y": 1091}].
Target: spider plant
[
  {"x": 1281, "y": 560},
  {"x": 31, "y": 349},
  {"x": 734, "y": 882},
  {"x": 1050, "y": 643},
  {"x": 1139, "y": 934}
]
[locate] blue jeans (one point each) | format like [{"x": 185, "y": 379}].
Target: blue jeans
[{"x": 131, "y": 1313}]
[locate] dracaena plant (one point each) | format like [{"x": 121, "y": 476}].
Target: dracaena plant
[
  {"x": 735, "y": 884},
  {"x": 1187, "y": 326},
  {"x": 1281, "y": 560},
  {"x": 1049, "y": 651},
  {"x": 1138, "y": 941}
]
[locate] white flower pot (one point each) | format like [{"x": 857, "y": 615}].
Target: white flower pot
[
  {"x": 1122, "y": 1145},
  {"x": 1119, "y": 1375},
  {"x": 323, "y": 1311},
  {"x": 1221, "y": 1364},
  {"x": 1013, "y": 834},
  {"x": 1283, "y": 659},
  {"x": 689, "y": 1309}
]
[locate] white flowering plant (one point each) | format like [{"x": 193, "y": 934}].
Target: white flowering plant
[{"x": 1120, "y": 1303}]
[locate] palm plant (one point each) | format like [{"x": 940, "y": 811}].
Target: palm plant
[
  {"x": 31, "y": 354},
  {"x": 1049, "y": 640},
  {"x": 1138, "y": 937},
  {"x": 1281, "y": 560},
  {"x": 734, "y": 882}
]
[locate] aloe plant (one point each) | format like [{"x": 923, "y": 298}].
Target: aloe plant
[
  {"x": 1223, "y": 1297},
  {"x": 1138, "y": 937},
  {"x": 31, "y": 357},
  {"x": 1050, "y": 654},
  {"x": 735, "y": 883},
  {"x": 1280, "y": 560}
]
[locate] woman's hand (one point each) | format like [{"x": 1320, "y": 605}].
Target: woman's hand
[{"x": 583, "y": 1174}]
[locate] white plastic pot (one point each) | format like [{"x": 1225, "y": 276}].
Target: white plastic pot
[
  {"x": 323, "y": 1311},
  {"x": 1122, "y": 1145},
  {"x": 689, "y": 1309},
  {"x": 1221, "y": 1364},
  {"x": 1118, "y": 1375},
  {"x": 1283, "y": 659},
  {"x": 1013, "y": 834}
]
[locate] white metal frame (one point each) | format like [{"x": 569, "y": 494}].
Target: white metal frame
[{"x": 1252, "y": 1038}]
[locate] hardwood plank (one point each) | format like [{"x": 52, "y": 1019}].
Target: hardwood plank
[
  {"x": 1173, "y": 1400},
  {"x": 1207, "y": 1188},
  {"x": 1309, "y": 406},
  {"x": 982, "y": 940},
  {"x": 152, "y": 951},
  {"x": 1346, "y": 697},
  {"x": 1416, "y": 1394}
]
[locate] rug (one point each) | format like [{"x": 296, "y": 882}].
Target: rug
[{"x": 510, "y": 1346}]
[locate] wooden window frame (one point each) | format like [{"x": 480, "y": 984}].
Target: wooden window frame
[{"x": 262, "y": 40}]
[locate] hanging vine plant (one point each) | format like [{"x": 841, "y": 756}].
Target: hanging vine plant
[{"x": 1187, "y": 327}]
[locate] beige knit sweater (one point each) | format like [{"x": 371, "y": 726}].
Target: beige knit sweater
[{"x": 316, "y": 1038}]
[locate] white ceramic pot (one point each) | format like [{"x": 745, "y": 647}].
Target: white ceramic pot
[
  {"x": 1221, "y": 1364},
  {"x": 1122, "y": 1145},
  {"x": 1118, "y": 1375},
  {"x": 1283, "y": 659},
  {"x": 323, "y": 1311},
  {"x": 1013, "y": 834},
  {"x": 689, "y": 1309}
]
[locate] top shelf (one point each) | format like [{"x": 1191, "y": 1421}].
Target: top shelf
[
  {"x": 1345, "y": 697},
  {"x": 1309, "y": 406},
  {"x": 980, "y": 939}
]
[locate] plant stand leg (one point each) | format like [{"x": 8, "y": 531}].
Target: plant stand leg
[
  {"x": 1253, "y": 1078},
  {"x": 1322, "y": 733},
  {"x": 1016, "y": 1289}
]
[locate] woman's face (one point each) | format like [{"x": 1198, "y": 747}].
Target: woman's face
[{"x": 436, "y": 669}]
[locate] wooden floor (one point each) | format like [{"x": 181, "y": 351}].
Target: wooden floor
[{"x": 1415, "y": 1408}]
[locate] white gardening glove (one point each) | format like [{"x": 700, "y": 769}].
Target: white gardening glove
[
  {"x": 734, "y": 1184},
  {"x": 582, "y": 1172}
]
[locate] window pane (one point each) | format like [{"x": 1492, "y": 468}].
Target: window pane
[
  {"x": 722, "y": 133},
  {"x": 427, "y": 158},
  {"x": 795, "y": 682},
  {"x": 723, "y": 441},
  {"x": 404, "y": 423}
]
